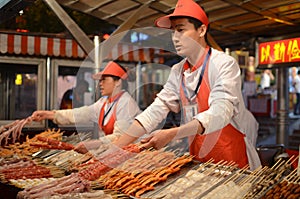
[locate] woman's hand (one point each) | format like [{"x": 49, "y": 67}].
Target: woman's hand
[
  {"x": 80, "y": 148},
  {"x": 85, "y": 146},
  {"x": 42, "y": 115},
  {"x": 158, "y": 139}
]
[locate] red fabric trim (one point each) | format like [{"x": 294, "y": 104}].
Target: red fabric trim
[
  {"x": 10, "y": 43},
  {"x": 120, "y": 52},
  {"x": 62, "y": 47},
  {"x": 141, "y": 55},
  {"x": 37, "y": 45},
  {"x": 130, "y": 53},
  {"x": 74, "y": 49},
  {"x": 24, "y": 44},
  {"x": 50, "y": 46}
]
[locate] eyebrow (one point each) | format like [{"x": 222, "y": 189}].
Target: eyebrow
[{"x": 179, "y": 25}]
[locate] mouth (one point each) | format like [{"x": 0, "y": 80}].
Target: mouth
[{"x": 177, "y": 47}]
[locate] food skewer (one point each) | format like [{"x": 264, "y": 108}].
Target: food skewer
[{"x": 13, "y": 130}]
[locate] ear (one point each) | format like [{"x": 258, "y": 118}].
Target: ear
[
  {"x": 118, "y": 82},
  {"x": 202, "y": 30}
]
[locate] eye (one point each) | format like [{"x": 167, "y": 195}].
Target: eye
[{"x": 179, "y": 29}]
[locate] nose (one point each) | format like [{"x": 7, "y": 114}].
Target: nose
[{"x": 175, "y": 36}]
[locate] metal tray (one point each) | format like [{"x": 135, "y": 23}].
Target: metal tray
[
  {"x": 195, "y": 165},
  {"x": 171, "y": 179}
]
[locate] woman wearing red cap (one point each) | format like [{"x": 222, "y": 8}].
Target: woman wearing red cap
[
  {"x": 115, "y": 108},
  {"x": 206, "y": 86}
]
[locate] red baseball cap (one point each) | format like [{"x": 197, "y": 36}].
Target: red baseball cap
[
  {"x": 112, "y": 68},
  {"x": 184, "y": 8}
]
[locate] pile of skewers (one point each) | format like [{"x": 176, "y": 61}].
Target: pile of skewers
[
  {"x": 197, "y": 181},
  {"x": 234, "y": 187},
  {"x": 64, "y": 185},
  {"x": 243, "y": 184},
  {"x": 27, "y": 169},
  {"x": 81, "y": 181},
  {"x": 268, "y": 177},
  {"x": 25, "y": 148},
  {"x": 288, "y": 188},
  {"x": 141, "y": 173}
]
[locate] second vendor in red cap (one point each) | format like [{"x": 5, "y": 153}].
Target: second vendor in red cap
[{"x": 113, "y": 112}]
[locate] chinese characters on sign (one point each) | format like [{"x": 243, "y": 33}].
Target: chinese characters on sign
[{"x": 281, "y": 51}]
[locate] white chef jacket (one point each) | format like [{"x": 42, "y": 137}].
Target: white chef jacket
[
  {"x": 126, "y": 106},
  {"x": 265, "y": 81},
  {"x": 225, "y": 101},
  {"x": 297, "y": 83}
]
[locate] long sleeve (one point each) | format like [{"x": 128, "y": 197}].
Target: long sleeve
[
  {"x": 167, "y": 100},
  {"x": 224, "y": 99},
  {"x": 81, "y": 115}
]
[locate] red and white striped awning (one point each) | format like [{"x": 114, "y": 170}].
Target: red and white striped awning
[
  {"x": 21, "y": 44},
  {"x": 39, "y": 46},
  {"x": 128, "y": 52}
]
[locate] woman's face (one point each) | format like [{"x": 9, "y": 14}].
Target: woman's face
[{"x": 107, "y": 85}]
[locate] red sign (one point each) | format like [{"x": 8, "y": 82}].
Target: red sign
[{"x": 281, "y": 51}]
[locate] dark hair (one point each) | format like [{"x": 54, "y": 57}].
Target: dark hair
[
  {"x": 197, "y": 23},
  {"x": 82, "y": 83},
  {"x": 124, "y": 81},
  {"x": 114, "y": 77}
]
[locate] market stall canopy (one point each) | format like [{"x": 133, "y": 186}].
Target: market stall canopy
[
  {"x": 33, "y": 45},
  {"x": 234, "y": 24}
]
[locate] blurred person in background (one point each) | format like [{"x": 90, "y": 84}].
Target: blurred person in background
[
  {"x": 292, "y": 92},
  {"x": 266, "y": 78},
  {"x": 296, "y": 84},
  {"x": 74, "y": 97}
]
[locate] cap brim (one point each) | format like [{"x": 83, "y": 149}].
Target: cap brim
[
  {"x": 97, "y": 76},
  {"x": 164, "y": 22}
]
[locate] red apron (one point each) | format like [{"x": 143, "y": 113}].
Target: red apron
[
  {"x": 109, "y": 127},
  {"x": 224, "y": 144}
]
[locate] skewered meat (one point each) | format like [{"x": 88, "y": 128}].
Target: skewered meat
[
  {"x": 27, "y": 169},
  {"x": 137, "y": 183},
  {"x": 68, "y": 184},
  {"x": 52, "y": 144},
  {"x": 12, "y": 130},
  {"x": 108, "y": 161},
  {"x": 26, "y": 183},
  {"x": 94, "y": 194},
  {"x": 25, "y": 148}
]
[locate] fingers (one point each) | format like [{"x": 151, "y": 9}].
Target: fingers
[
  {"x": 80, "y": 148},
  {"x": 36, "y": 116},
  {"x": 42, "y": 115},
  {"x": 145, "y": 146},
  {"x": 147, "y": 143},
  {"x": 29, "y": 119},
  {"x": 145, "y": 140}
]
